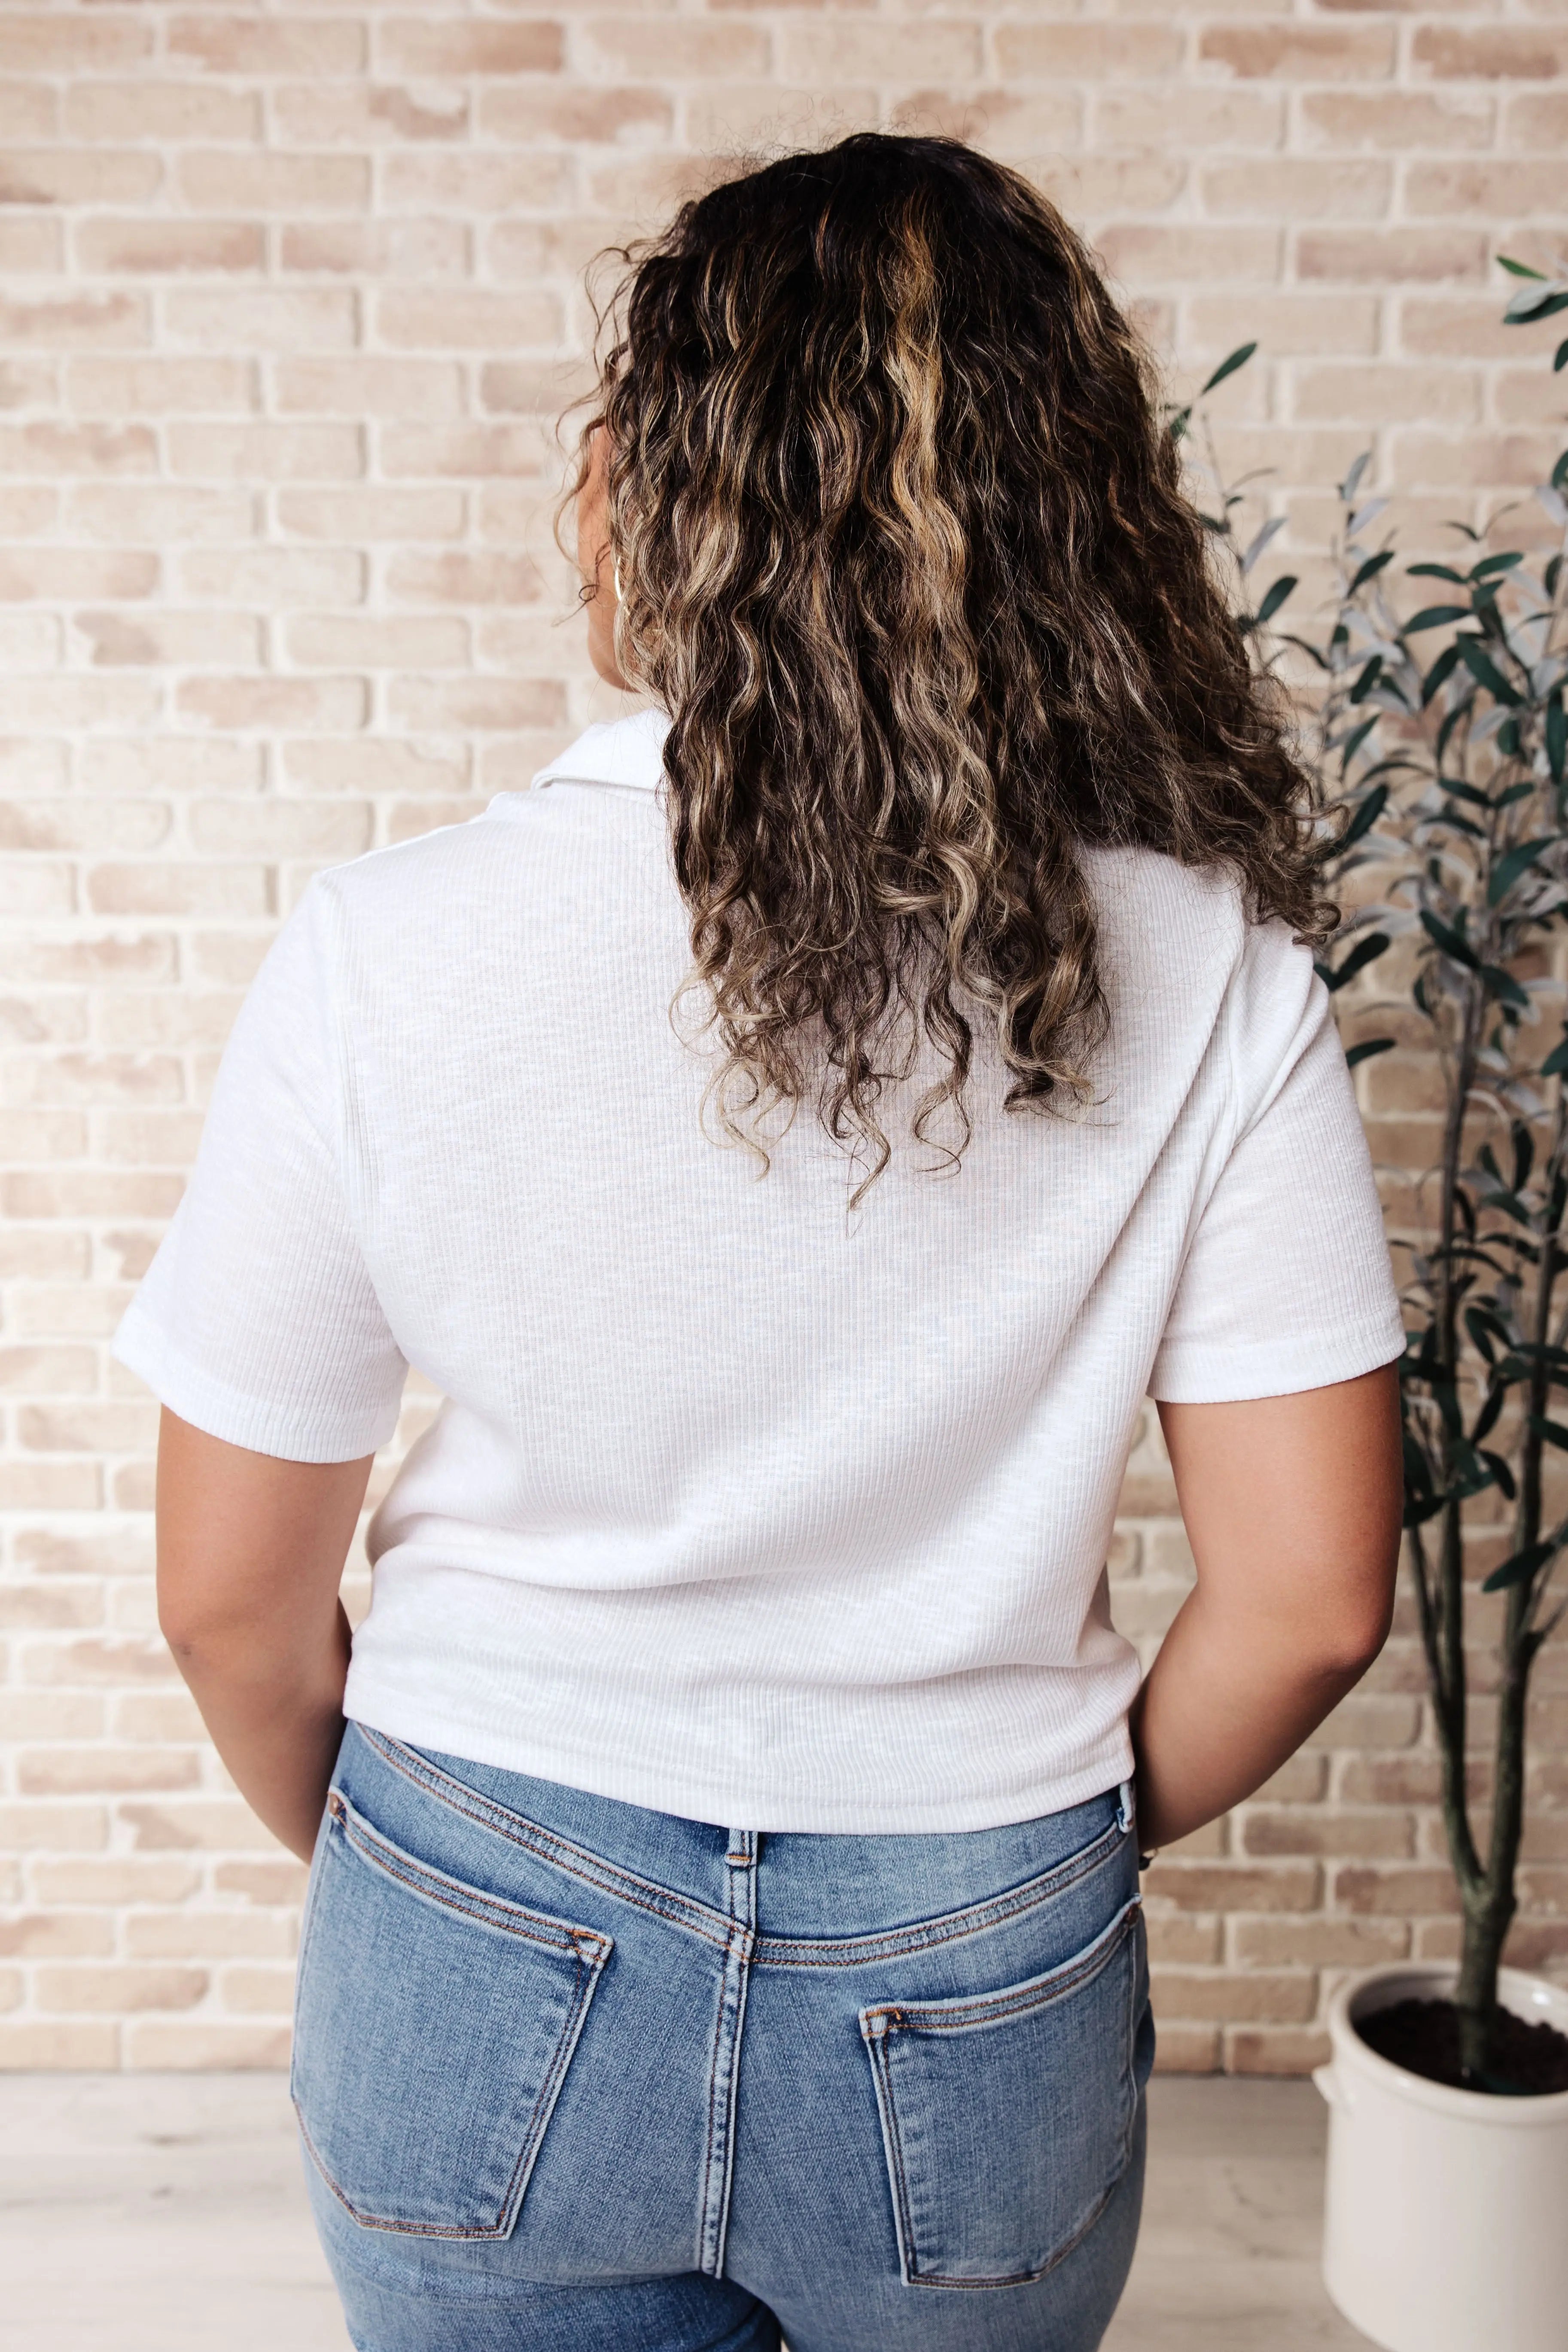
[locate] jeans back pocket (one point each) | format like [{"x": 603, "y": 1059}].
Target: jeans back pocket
[
  {"x": 433, "y": 2026},
  {"x": 1007, "y": 2117}
]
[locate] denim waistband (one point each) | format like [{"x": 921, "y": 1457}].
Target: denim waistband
[{"x": 811, "y": 1885}]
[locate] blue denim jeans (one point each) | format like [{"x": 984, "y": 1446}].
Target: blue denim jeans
[{"x": 577, "y": 2076}]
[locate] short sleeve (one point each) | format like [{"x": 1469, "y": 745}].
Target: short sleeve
[
  {"x": 1286, "y": 1283},
  {"x": 256, "y": 1319}
]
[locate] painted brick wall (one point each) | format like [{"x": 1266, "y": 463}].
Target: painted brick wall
[{"x": 287, "y": 299}]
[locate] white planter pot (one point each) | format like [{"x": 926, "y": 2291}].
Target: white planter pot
[{"x": 1446, "y": 2222}]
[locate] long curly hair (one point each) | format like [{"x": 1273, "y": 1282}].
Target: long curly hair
[{"x": 904, "y": 553}]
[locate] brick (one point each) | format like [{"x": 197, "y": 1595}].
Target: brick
[
  {"x": 1313, "y": 1828},
  {"x": 29, "y": 109},
  {"x": 1394, "y": 1892},
  {"x": 368, "y": 113},
  {"x": 1517, "y": 189},
  {"x": 274, "y": 579},
  {"x": 104, "y": 387},
  {"x": 56, "y": 1934},
  {"x": 1501, "y": 53},
  {"x": 1173, "y": 1938},
  {"x": 1146, "y": 252},
  {"x": 76, "y": 449},
  {"x": 69, "y": 44},
  {"x": 208, "y": 1935},
  {"x": 221, "y": 1824},
  {"x": 257, "y": 45},
  {"x": 272, "y": 1881},
  {"x": 119, "y": 1989},
  {"x": 59, "y": 1371},
  {"x": 1391, "y": 255},
  {"x": 1186, "y": 2050},
  {"x": 92, "y": 1771},
  {"x": 203, "y": 2048},
  {"x": 255, "y": 1991},
  {"x": 1389, "y": 119},
  {"x": 65, "y": 175},
  {"x": 54, "y": 1828},
  {"x": 267, "y": 452},
  {"x": 1282, "y": 1998},
  {"x": 422, "y": 250},
  {"x": 1299, "y": 51},
  {"x": 1195, "y": 1886},
  {"x": 324, "y": 641},
  {"x": 476, "y": 181},
  {"x": 1381, "y": 394},
  {"x": 428, "y": 49},
  {"x": 465, "y": 578},
  {"x": 224, "y": 181},
  {"x": 1298, "y": 189},
  {"x": 158, "y": 512},
  {"x": 666, "y": 47},
  {"x": 1274, "y": 2050},
  {"x": 578, "y": 115},
  {"x": 412, "y": 452},
  {"x": 1092, "y": 53},
  {"x": 1204, "y": 118},
  {"x": 271, "y": 828},
  {"x": 1317, "y": 1943},
  {"x": 36, "y": 1607},
  {"x": 30, "y": 242},
  {"x": 331, "y": 703},
  {"x": 467, "y": 321},
  {"x": 163, "y": 248},
  {"x": 145, "y": 109},
  {"x": 76, "y": 572},
  {"x": 114, "y": 1879},
  {"x": 369, "y": 387},
  {"x": 74, "y": 322},
  {"x": 167, "y": 763},
  {"x": 476, "y": 702},
  {"x": 156, "y": 889},
  {"x": 373, "y": 763},
  {"x": 38, "y": 2046},
  {"x": 227, "y": 320}
]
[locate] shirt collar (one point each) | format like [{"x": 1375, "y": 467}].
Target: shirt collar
[{"x": 617, "y": 752}]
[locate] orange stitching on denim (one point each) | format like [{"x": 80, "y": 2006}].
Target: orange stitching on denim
[{"x": 550, "y": 1846}]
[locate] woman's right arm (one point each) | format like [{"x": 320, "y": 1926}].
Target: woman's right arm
[{"x": 1292, "y": 1506}]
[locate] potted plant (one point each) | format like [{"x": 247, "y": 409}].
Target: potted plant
[{"x": 1442, "y": 762}]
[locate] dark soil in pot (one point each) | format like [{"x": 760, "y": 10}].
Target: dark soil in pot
[{"x": 1528, "y": 2062}]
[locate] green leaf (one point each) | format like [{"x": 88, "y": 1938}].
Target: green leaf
[
  {"x": 1562, "y": 359},
  {"x": 1556, "y": 1061},
  {"x": 1277, "y": 592},
  {"x": 1520, "y": 268},
  {"x": 1238, "y": 359},
  {"x": 1441, "y": 671},
  {"x": 1503, "y": 986},
  {"x": 1365, "y": 817},
  {"x": 1364, "y": 951},
  {"x": 1532, "y": 310},
  {"x": 1500, "y": 1473},
  {"x": 1180, "y": 422},
  {"x": 1490, "y": 565},
  {"x": 1367, "y": 1049},
  {"x": 1518, "y": 860},
  {"x": 1450, "y": 942},
  {"x": 1485, "y": 673},
  {"x": 1556, "y": 738},
  {"x": 1519, "y": 1567},
  {"x": 1367, "y": 679},
  {"x": 1436, "y": 571},
  {"x": 1370, "y": 569},
  {"x": 1553, "y": 1432},
  {"x": 1433, "y": 616}
]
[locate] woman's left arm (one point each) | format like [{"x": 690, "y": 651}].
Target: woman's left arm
[{"x": 251, "y": 1554}]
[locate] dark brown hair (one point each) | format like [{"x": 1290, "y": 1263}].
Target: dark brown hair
[{"x": 905, "y": 555}]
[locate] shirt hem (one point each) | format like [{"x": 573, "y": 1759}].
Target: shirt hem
[
  {"x": 140, "y": 1344},
  {"x": 740, "y": 1802},
  {"x": 1206, "y": 1375}
]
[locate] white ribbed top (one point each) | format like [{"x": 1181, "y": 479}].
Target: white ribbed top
[{"x": 740, "y": 1505}]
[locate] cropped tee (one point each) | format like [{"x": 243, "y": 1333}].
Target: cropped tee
[{"x": 739, "y": 1503}]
